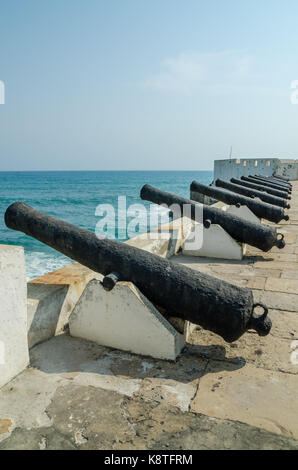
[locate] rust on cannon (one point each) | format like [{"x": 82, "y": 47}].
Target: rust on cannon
[
  {"x": 216, "y": 305},
  {"x": 259, "y": 235},
  {"x": 251, "y": 193}
]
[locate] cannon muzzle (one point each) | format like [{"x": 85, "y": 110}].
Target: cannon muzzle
[{"x": 216, "y": 305}]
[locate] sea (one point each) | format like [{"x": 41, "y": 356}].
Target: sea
[{"x": 75, "y": 197}]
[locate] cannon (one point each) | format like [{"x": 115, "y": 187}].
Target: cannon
[
  {"x": 245, "y": 181},
  {"x": 276, "y": 180},
  {"x": 258, "y": 235},
  {"x": 273, "y": 180},
  {"x": 285, "y": 186},
  {"x": 279, "y": 181},
  {"x": 260, "y": 209},
  {"x": 266, "y": 181},
  {"x": 282, "y": 178},
  {"x": 218, "y": 306},
  {"x": 275, "y": 201}
]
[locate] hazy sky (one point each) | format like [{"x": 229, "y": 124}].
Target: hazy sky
[{"x": 146, "y": 84}]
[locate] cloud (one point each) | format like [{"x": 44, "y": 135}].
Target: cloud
[{"x": 189, "y": 72}]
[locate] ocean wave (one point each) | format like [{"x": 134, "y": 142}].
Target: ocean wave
[{"x": 38, "y": 263}]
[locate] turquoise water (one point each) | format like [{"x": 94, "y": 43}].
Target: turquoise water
[{"x": 74, "y": 196}]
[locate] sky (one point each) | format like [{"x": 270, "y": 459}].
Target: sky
[{"x": 146, "y": 84}]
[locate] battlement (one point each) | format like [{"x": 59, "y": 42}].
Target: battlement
[{"x": 237, "y": 167}]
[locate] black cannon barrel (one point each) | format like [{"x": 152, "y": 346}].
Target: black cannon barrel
[
  {"x": 274, "y": 184},
  {"x": 267, "y": 184},
  {"x": 260, "y": 209},
  {"x": 248, "y": 192},
  {"x": 276, "y": 180},
  {"x": 282, "y": 178},
  {"x": 273, "y": 180},
  {"x": 245, "y": 181},
  {"x": 264, "y": 182},
  {"x": 286, "y": 187},
  {"x": 216, "y": 305},
  {"x": 258, "y": 235}
]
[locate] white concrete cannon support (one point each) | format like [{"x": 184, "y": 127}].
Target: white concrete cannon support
[
  {"x": 14, "y": 356},
  {"x": 125, "y": 319},
  {"x": 215, "y": 242}
]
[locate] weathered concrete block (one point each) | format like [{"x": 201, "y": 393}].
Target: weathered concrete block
[
  {"x": 14, "y": 355},
  {"x": 44, "y": 307},
  {"x": 124, "y": 319},
  {"x": 51, "y": 299},
  {"x": 166, "y": 240},
  {"x": 213, "y": 242},
  {"x": 244, "y": 212}
]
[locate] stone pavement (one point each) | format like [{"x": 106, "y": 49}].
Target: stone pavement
[{"x": 78, "y": 395}]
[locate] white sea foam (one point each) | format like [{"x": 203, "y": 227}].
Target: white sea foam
[{"x": 39, "y": 263}]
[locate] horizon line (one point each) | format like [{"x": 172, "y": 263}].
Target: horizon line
[{"x": 55, "y": 171}]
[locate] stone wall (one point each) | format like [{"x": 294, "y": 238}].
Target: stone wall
[
  {"x": 14, "y": 356},
  {"x": 235, "y": 168}
]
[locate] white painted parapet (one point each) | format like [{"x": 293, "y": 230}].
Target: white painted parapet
[
  {"x": 125, "y": 319},
  {"x": 14, "y": 356},
  {"x": 237, "y": 167}
]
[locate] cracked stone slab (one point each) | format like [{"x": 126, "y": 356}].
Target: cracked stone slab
[
  {"x": 289, "y": 275},
  {"x": 86, "y": 363},
  {"x": 272, "y": 265},
  {"x": 258, "y": 397},
  {"x": 47, "y": 438},
  {"x": 159, "y": 426},
  {"x": 271, "y": 352},
  {"x": 24, "y": 400},
  {"x": 82, "y": 361},
  {"x": 175, "y": 383},
  {"x": 284, "y": 324},
  {"x": 277, "y": 300},
  {"x": 288, "y": 286},
  {"x": 90, "y": 418}
]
